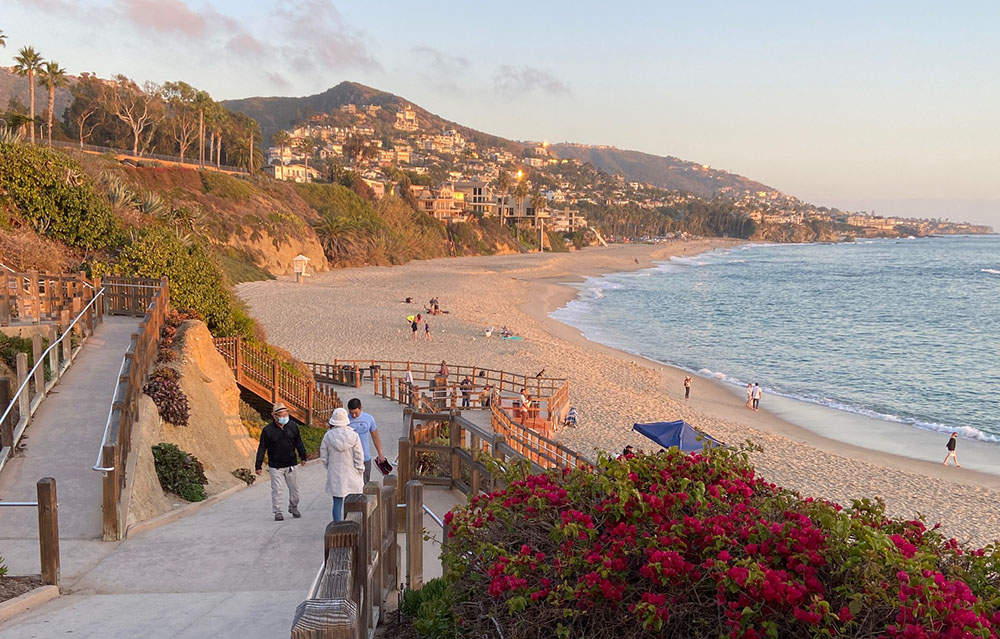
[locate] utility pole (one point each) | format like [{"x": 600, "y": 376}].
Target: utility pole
[{"x": 250, "y": 161}]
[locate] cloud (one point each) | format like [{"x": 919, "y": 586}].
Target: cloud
[
  {"x": 439, "y": 61},
  {"x": 320, "y": 38},
  {"x": 510, "y": 80},
  {"x": 168, "y": 16},
  {"x": 52, "y": 7},
  {"x": 278, "y": 80},
  {"x": 246, "y": 45}
]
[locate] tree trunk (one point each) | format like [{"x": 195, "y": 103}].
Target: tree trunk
[
  {"x": 135, "y": 142},
  {"x": 218, "y": 151},
  {"x": 211, "y": 147},
  {"x": 52, "y": 105},
  {"x": 201, "y": 137},
  {"x": 31, "y": 91}
]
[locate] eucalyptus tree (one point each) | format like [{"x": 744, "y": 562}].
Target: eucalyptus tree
[
  {"x": 28, "y": 63},
  {"x": 52, "y": 76},
  {"x": 184, "y": 115},
  {"x": 141, "y": 109},
  {"x": 86, "y": 112}
]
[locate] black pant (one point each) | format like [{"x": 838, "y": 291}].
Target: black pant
[
  {"x": 756, "y": 401},
  {"x": 687, "y": 392}
]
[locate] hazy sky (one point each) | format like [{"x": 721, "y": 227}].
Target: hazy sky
[{"x": 886, "y": 105}]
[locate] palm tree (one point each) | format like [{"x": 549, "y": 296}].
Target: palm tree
[
  {"x": 29, "y": 62},
  {"x": 503, "y": 185},
  {"x": 52, "y": 75},
  {"x": 3, "y": 39},
  {"x": 282, "y": 139},
  {"x": 538, "y": 202},
  {"x": 520, "y": 192}
]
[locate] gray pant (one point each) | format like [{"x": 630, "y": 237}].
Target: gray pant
[
  {"x": 368, "y": 470},
  {"x": 281, "y": 476}
]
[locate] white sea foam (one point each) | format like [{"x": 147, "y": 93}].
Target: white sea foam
[{"x": 990, "y": 270}]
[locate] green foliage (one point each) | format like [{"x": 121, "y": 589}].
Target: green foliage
[
  {"x": 431, "y": 606},
  {"x": 165, "y": 391},
  {"x": 50, "y": 192},
  {"x": 239, "y": 266},
  {"x": 195, "y": 279},
  {"x": 312, "y": 437},
  {"x": 3, "y": 567},
  {"x": 226, "y": 186},
  {"x": 179, "y": 472},
  {"x": 557, "y": 243},
  {"x": 11, "y": 345},
  {"x": 252, "y": 420}
]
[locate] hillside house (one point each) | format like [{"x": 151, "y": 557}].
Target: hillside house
[{"x": 292, "y": 172}]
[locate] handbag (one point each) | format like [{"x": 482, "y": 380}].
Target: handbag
[{"x": 383, "y": 466}]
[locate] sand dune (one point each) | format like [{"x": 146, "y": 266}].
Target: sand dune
[{"x": 358, "y": 313}]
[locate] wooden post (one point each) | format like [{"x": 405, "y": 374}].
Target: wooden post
[
  {"x": 274, "y": 380},
  {"x": 34, "y": 299},
  {"x": 67, "y": 344},
  {"x": 7, "y": 425},
  {"x": 355, "y": 508},
  {"x": 238, "y": 359},
  {"x": 455, "y": 435},
  {"x": 80, "y": 327},
  {"x": 390, "y": 497},
  {"x": 309, "y": 403},
  {"x": 24, "y": 400},
  {"x": 36, "y": 352},
  {"x": 110, "y": 490},
  {"x": 414, "y": 535},
  {"x": 376, "y": 540},
  {"x": 48, "y": 530},
  {"x": 54, "y": 353},
  {"x": 4, "y": 299},
  {"x": 404, "y": 468},
  {"x": 98, "y": 305},
  {"x": 476, "y": 447}
]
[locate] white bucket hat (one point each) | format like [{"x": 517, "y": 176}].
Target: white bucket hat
[{"x": 339, "y": 417}]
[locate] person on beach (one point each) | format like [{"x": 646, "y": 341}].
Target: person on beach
[
  {"x": 281, "y": 441},
  {"x": 749, "y": 395},
  {"x": 414, "y": 325},
  {"x": 756, "y": 396},
  {"x": 687, "y": 387},
  {"x": 344, "y": 460},
  {"x": 466, "y": 387},
  {"x": 486, "y": 396},
  {"x": 951, "y": 451},
  {"x": 444, "y": 369},
  {"x": 364, "y": 425},
  {"x": 435, "y": 309},
  {"x": 427, "y": 331}
]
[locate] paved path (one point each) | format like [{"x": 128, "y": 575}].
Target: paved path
[
  {"x": 62, "y": 442},
  {"x": 227, "y": 570}
]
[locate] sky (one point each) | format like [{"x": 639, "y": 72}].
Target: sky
[{"x": 885, "y": 106}]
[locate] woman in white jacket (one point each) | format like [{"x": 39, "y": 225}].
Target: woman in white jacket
[{"x": 344, "y": 459}]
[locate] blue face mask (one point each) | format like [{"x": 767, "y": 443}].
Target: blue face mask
[{"x": 283, "y": 420}]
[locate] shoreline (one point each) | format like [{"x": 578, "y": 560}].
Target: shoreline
[
  {"x": 722, "y": 400},
  {"x": 359, "y": 313}
]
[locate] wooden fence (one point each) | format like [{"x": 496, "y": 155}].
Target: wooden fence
[
  {"x": 134, "y": 372},
  {"x": 32, "y": 297},
  {"x": 18, "y": 405},
  {"x": 360, "y": 570},
  {"x": 308, "y": 400}
]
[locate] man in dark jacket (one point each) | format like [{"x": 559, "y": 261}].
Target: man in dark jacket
[{"x": 280, "y": 439}]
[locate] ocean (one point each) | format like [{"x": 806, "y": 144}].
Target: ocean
[{"x": 885, "y": 343}]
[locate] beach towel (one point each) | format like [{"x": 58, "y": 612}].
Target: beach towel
[{"x": 512, "y": 337}]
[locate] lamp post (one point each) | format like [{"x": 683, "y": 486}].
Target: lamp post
[{"x": 299, "y": 264}]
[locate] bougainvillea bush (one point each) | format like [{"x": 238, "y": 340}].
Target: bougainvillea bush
[
  {"x": 698, "y": 546},
  {"x": 165, "y": 390}
]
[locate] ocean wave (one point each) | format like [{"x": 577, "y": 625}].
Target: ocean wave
[{"x": 990, "y": 270}]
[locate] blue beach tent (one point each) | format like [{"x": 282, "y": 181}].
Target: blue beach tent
[{"x": 678, "y": 433}]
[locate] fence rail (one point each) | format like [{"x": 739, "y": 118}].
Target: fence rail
[
  {"x": 309, "y": 400},
  {"x": 31, "y": 297},
  {"x": 48, "y": 527},
  {"x": 32, "y": 386},
  {"x": 112, "y": 459}
]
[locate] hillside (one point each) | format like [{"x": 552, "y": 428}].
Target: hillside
[
  {"x": 665, "y": 172},
  {"x": 276, "y": 113},
  {"x": 15, "y": 86}
]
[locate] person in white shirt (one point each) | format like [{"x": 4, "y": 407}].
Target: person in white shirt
[
  {"x": 749, "y": 395},
  {"x": 756, "y": 396},
  {"x": 344, "y": 460}
]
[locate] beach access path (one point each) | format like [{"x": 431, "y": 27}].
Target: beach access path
[{"x": 226, "y": 570}]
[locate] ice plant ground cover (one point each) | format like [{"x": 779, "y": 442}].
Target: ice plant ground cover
[{"x": 699, "y": 546}]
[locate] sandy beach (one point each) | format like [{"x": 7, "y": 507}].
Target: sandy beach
[{"x": 359, "y": 314}]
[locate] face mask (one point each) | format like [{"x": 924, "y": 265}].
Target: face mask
[{"x": 283, "y": 420}]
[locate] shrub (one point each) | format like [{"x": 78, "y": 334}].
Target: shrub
[
  {"x": 676, "y": 545},
  {"x": 252, "y": 420},
  {"x": 196, "y": 281},
  {"x": 3, "y": 567},
  {"x": 11, "y": 345},
  {"x": 50, "y": 192},
  {"x": 312, "y": 437},
  {"x": 166, "y": 393},
  {"x": 179, "y": 472},
  {"x": 246, "y": 475},
  {"x": 226, "y": 186}
]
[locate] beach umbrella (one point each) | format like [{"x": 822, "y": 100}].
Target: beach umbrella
[{"x": 678, "y": 433}]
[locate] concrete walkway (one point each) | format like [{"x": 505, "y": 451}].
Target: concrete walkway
[
  {"x": 227, "y": 570},
  {"x": 62, "y": 442}
]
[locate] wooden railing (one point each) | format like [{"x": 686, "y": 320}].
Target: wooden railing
[
  {"x": 33, "y": 297},
  {"x": 129, "y": 295},
  {"x": 134, "y": 372},
  {"x": 18, "y": 406},
  {"x": 360, "y": 570},
  {"x": 310, "y": 401},
  {"x": 550, "y": 394}
]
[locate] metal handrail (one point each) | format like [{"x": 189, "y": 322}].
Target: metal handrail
[
  {"x": 41, "y": 358},
  {"x": 433, "y": 516},
  {"x": 107, "y": 425},
  {"x": 32, "y": 504}
]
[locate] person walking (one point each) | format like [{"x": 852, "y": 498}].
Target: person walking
[
  {"x": 749, "y": 395},
  {"x": 344, "y": 460},
  {"x": 951, "y": 451},
  {"x": 281, "y": 440},
  {"x": 364, "y": 425},
  {"x": 427, "y": 331},
  {"x": 756, "y": 396},
  {"x": 414, "y": 325},
  {"x": 466, "y": 387},
  {"x": 687, "y": 387}
]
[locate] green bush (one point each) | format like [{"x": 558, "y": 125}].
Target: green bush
[
  {"x": 179, "y": 472},
  {"x": 226, "y": 186},
  {"x": 312, "y": 437},
  {"x": 245, "y": 474},
  {"x": 3, "y": 567},
  {"x": 556, "y": 242},
  {"x": 196, "y": 280},
  {"x": 240, "y": 267},
  {"x": 11, "y": 345},
  {"x": 50, "y": 192}
]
